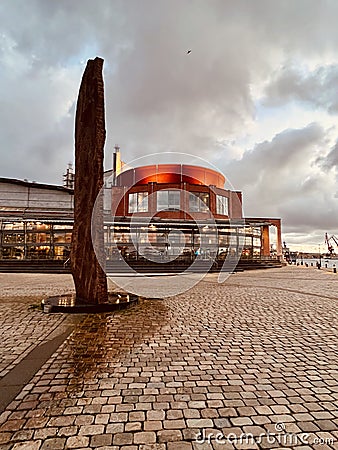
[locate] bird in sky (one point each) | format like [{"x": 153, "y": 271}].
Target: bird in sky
[{"x": 189, "y": 51}]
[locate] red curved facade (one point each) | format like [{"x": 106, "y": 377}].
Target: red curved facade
[
  {"x": 148, "y": 184},
  {"x": 171, "y": 173}
]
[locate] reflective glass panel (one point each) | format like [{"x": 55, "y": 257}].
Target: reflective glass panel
[
  {"x": 138, "y": 202},
  {"x": 198, "y": 201},
  {"x": 222, "y": 205},
  {"x": 168, "y": 200}
]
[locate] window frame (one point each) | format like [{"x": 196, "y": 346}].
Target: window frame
[
  {"x": 221, "y": 209},
  {"x": 166, "y": 206},
  {"x": 201, "y": 205},
  {"x": 140, "y": 202}
]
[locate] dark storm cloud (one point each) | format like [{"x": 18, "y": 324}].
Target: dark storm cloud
[
  {"x": 278, "y": 180},
  {"x": 318, "y": 88},
  {"x": 56, "y": 33},
  {"x": 288, "y": 150},
  {"x": 330, "y": 160},
  {"x": 157, "y": 97}
]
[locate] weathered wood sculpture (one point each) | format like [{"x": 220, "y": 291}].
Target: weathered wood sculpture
[{"x": 90, "y": 134}]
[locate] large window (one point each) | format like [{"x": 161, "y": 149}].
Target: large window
[
  {"x": 168, "y": 200},
  {"x": 199, "y": 201},
  {"x": 62, "y": 237},
  {"x": 138, "y": 202},
  {"x": 12, "y": 226},
  {"x": 38, "y": 238},
  {"x": 13, "y": 238},
  {"x": 222, "y": 205}
]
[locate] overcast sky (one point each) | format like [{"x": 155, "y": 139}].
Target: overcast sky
[{"x": 257, "y": 96}]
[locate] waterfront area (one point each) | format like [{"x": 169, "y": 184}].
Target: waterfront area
[
  {"x": 326, "y": 263},
  {"x": 256, "y": 355}
]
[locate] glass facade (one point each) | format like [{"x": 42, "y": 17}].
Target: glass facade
[
  {"x": 35, "y": 240},
  {"x": 252, "y": 243},
  {"x": 199, "y": 201},
  {"x": 32, "y": 240},
  {"x": 168, "y": 200},
  {"x": 160, "y": 242},
  {"x": 222, "y": 205},
  {"x": 138, "y": 202}
]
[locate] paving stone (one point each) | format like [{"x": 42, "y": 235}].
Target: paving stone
[
  {"x": 227, "y": 412},
  {"x": 101, "y": 440},
  {"x": 209, "y": 413},
  {"x": 326, "y": 425},
  {"x": 169, "y": 435},
  {"x": 200, "y": 423},
  {"x": 240, "y": 421},
  {"x": 61, "y": 421},
  {"x": 197, "y": 404},
  {"x": 133, "y": 426},
  {"x": 114, "y": 428},
  {"x": 54, "y": 444},
  {"x": 222, "y": 423},
  {"x": 190, "y": 434},
  {"x": 174, "y": 424},
  {"x": 241, "y": 363},
  {"x": 5, "y": 437},
  {"x": 191, "y": 413},
  {"x": 12, "y": 425},
  {"x": 254, "y": 430},
  {"x": 260, "y": 420},
  {"x": 77, "y": 442},
  {"x": 152, "y": 425},
  {"x": 136, "y": 416},
  {"x": 84, "y": 419},
  {"x": 145, "y": 437},
  {"x": 174, "y": 414},
  {"x": 89, "y": 430},
  {"x": 44, "y": 433},
  {"x": 123, "y": 438},
  {"x": 23, "y": 435},
  {"x": 68, "y": 431}
]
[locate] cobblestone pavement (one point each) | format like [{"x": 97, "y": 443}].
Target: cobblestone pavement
[
  {"x": 21, "y": 329},
  {"x": 22, "y": 326},
  {"x": 258, "y": 354}
]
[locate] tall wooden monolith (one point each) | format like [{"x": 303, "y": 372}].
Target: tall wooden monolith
[{"x": 90, "y": 134}]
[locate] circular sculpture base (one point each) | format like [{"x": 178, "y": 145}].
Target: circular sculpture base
[{"x": 67, "y": 303}]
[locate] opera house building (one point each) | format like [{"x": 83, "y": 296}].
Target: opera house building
[{"x": 168, "y": 214}]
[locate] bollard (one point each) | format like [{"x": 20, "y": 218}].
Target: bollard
[{"x": 47, "y": 308}]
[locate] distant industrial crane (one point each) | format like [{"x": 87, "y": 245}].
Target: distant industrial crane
[{"x": 329, "y": 241}]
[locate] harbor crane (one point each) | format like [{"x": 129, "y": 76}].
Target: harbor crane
[{"x": 329, "y": 241}]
